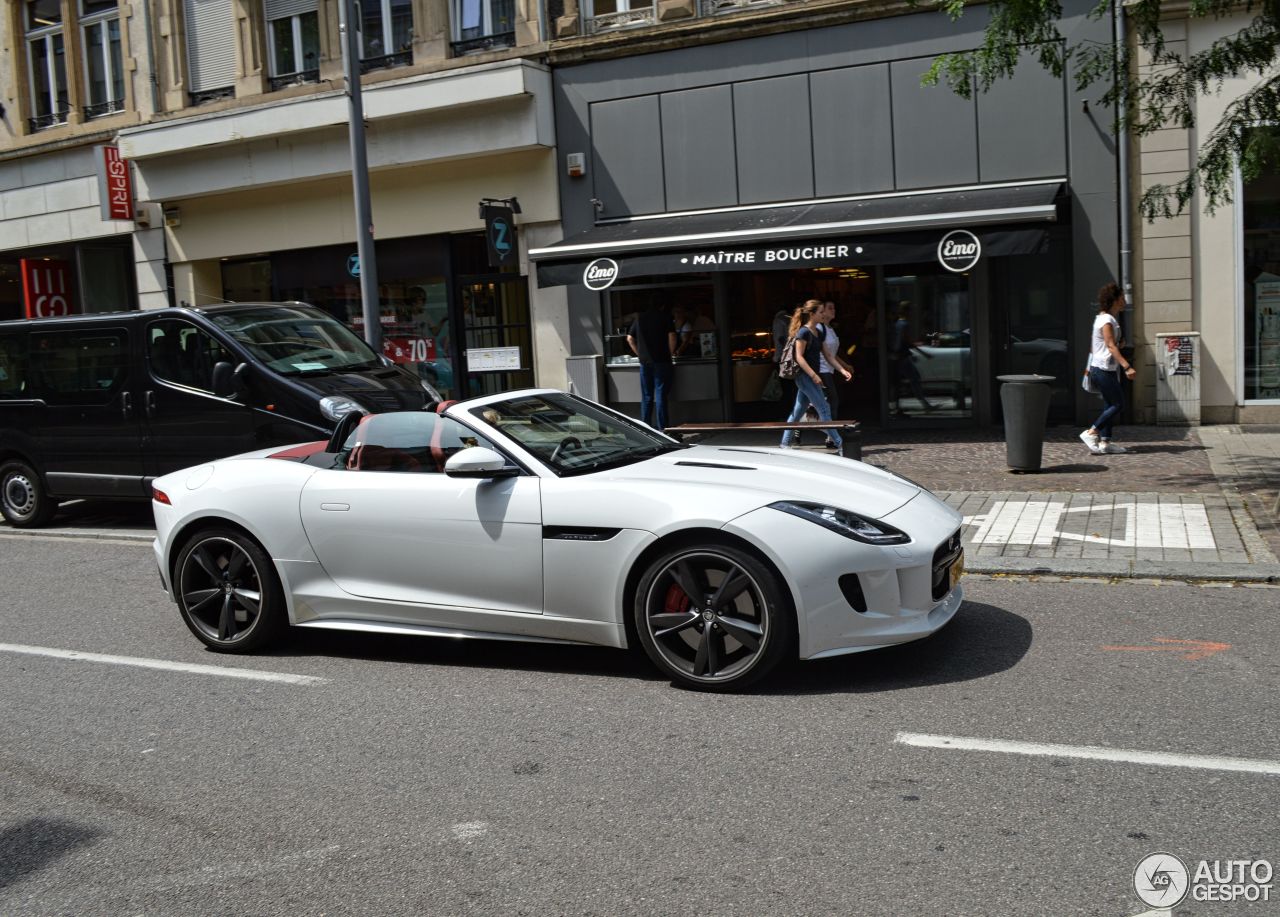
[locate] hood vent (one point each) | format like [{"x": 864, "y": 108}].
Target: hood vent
[{"x": 718, "y": 465}]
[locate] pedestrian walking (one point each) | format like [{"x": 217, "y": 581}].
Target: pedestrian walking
[
  {"x": 806, "y": 329},
  {"x": 830, "y": 363},
  {"x": 652, "y": 338},
  {"x": 1106, "y": 362}
]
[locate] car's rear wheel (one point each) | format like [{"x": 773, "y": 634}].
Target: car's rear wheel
[
  {"x": 228, "y": 592},
  {"x": 713, "y": 617},
  {"x": 23, "y": 501}
]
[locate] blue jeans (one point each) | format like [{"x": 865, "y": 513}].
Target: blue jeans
[
  {"x": 808, "y": 392},
  {"x": 1107, "y": 383},
  {"x": 655, "y": 385}
]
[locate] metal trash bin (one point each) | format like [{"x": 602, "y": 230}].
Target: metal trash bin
[{"x": 1026, "y": 408}]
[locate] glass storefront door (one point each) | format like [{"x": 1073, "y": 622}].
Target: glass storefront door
[
  {"x": 927, "y": 340},
  {"x": 496, "y": 328}
]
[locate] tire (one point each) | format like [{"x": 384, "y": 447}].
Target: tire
[
  {"x": 704, "y": 637},
  {"x": 23, "y": 501},
  {"x": 228, "y": 592}
]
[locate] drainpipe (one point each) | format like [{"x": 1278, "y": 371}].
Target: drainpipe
[
  {"x": 1122, "y": 151},
  {"x": 151, "y": 58}
]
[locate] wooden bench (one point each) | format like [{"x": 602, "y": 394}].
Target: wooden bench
[{"x": 850, "y": 431}]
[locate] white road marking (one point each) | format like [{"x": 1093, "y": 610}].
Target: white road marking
[
  {"x": 1094, "y": 753},
  {"x": 469, "y": 830},
  {"x": 163, "y": 665},
  {"x": 1146, "y": 525}
]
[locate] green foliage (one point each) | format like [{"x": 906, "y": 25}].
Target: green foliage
[{"x": 1161, "y": 93}]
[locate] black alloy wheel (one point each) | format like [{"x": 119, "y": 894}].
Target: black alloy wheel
[
  {"x": 713, "y": 617},
  {"x": 23, "y": 501},
  {"x": 228, "y": 591}
]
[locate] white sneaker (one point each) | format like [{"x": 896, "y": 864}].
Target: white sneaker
[
  {"x": 1091, "y": 441},
  {"x": 1112, "y": 449}
]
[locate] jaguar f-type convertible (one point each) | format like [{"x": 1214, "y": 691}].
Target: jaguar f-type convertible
[{"x": 539, "y": 516}]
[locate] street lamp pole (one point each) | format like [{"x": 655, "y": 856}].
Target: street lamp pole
[{"x": 349, "y": 26}]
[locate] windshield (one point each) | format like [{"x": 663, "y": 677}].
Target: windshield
[
  {"x": 293, "y": 340},
  {"x": 571, "y": 435}
]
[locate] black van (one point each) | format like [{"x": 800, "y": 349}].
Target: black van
[{"x": 98, "y": 405}]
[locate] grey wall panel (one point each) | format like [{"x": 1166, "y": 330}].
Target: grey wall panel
[
  {"x": 627, "y": 159},
  {"x": 697, "y": 148},
  {"x": 852, "y": 130},
  {"x": 1022, "y": 126},
  {"x": 774, "y": 139},
  {"x": 935, "y": 138}
]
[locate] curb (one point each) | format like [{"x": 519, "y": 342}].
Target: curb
[
  {"x": 1126, "y": 569},
  {"x": 94, "y": 534}
]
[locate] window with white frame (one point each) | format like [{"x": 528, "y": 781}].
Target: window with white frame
[
  {"x": 103, "y": 60},
  {"x": 615, "y": 14},
  {"x": 46, "y": 62},
  {"x": 293, "y": 40},
  {"x": 386, "y": 32},
  {"x": 1259, "y": 208},
  {"x": 211, "y": 49},
  {"x": 481, "y": 24}
]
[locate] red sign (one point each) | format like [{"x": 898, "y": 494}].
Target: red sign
[
  {"x": 46, "y": 287},
  {"x": 409, "y": 350},
  {"x": 117, "y": 203}
]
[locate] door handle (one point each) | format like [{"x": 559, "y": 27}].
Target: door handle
[
  {"x": 335, "y": 507},
  {"x": 151, "y": 403},
  {"x": 126, "y": 405}
]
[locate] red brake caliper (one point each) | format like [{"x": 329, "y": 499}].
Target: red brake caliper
[{"x": 676, "y": 602}]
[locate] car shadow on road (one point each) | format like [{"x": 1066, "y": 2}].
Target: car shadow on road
[
  {"x": 982, "y": 640},
  {"x": 37, "y": 843}
]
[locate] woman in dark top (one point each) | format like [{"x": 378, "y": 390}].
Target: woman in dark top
[{"x": 809, "y": 337}]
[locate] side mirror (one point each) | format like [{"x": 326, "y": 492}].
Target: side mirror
[
  {"x": 242, "y": 376},
  {"x": 479, "y": 462},
  {"x": 224, "y": 380}
]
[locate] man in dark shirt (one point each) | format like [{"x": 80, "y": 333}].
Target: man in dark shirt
[{"x": 653, "y": 339}]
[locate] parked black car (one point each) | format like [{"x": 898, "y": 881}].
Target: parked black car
[{"x": 98, "y": 405}]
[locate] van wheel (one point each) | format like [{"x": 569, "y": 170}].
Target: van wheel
[{"x": 22, "y": 498}]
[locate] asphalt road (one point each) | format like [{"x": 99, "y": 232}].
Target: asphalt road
[{"x": 437, "y": 777}]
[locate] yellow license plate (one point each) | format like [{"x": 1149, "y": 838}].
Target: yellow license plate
[{"x": 957, "y": 570}]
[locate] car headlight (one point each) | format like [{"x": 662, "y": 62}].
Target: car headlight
[
  {"x": 850, "y": 525},
  {"x": 335, "y": 407}
]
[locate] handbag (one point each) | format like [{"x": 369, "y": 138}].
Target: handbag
[{"x": 1085, "y": 382}]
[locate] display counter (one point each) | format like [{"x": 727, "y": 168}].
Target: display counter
[{"x": 695, "y": 395}]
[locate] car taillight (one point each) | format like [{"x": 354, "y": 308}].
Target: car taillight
[{"x": 160, "y": 496}]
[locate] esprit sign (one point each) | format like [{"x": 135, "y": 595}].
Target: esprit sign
[
  {"x": 115, "y": 190},
  {"x": 46, "y": 287},
  {"x": 600, "y": 274},
  {"x": 959, "y": 250}
]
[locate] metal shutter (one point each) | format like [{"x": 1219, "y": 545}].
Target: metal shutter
[
  {"x": 211, "y": 44},
  {"x": 278, "y": 9}
]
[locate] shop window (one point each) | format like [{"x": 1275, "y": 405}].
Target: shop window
[
  {"x": 293, "y": 41},
  {"x": 692, "y": 319},
  {"x": 606, "y": 15},
  {"x": 180, "y": 353},
  {"x": 46, "y": 63},
  {"x": 75, "y": 367},
  {"x": 103, "y": 61},
  {"x": 480, "y": 25},
  {"x": 1260, "y": 216},
  {"x": 386, "y": 34}
]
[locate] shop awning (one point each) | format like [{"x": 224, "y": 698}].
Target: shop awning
[{"x": 866, "y": 230}]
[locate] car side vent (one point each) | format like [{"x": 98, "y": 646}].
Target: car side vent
[
  {"x": 717, "y": 465},
  {"x": 851, "y": 586},
  {"x": 577, "y": 533}
]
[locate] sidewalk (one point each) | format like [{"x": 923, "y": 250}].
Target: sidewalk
[{"x": 1183, "y": 503}]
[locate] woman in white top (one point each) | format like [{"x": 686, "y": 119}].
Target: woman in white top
[{"x": 1104, "y": 361}]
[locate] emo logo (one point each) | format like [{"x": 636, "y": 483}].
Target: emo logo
[
  {"x": 959, "y": 250},
  {"x": 1161, "y": 880},
  {"x": 600, "y": 274}
]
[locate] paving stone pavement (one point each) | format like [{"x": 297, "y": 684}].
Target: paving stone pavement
[{"x": 1192, "y": 503}]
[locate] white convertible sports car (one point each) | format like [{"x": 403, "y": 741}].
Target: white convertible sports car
[{"x": 540, "y": 516}]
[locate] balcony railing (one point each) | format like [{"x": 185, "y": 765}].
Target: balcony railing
[
  {"x": 294, "y": 79},
  {"x": 44, "y": 122},
  {"x": 719, "y": 7},
  {"x": 387, "y": 61},
  {"x": 211, "y": 95},
  {"x": 484, "y": 43},
  {"x": 99, "y": 109},
  {"x": 608, "y": 22}
]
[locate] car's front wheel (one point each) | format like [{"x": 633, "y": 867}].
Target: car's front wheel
[
  {"x": 23, "y": 501},
  {"x": 228, "y": 592},
  {"x": 713, "y": 617}
]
